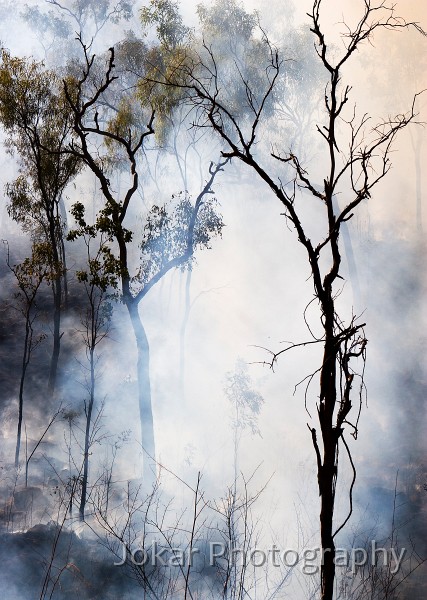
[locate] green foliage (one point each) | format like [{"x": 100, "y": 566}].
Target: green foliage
[
  {"x": 108, "y": 225},
  {"x": 27, "y": 209},
  {"x": 87, "y": 16},
  {"x": 99, "y": 11},
  {"x": 165, "y": 17},
  {"x": 227, "y": 20},
  {"x": 233, "y": 37},
  {"x": 145, "y": 63},
  {"x": 33, "y": 270},
  {"x": 128, "y": 121},
  {"x": 124, "y": 120},
  {"x": 131, "y": 56},
  {"x": 166, "y": 59},
  {"x": 21, "y": 202},
  {"x": 167, "y": 230},
  {"x": 104, "y": 269},
  {"x": 208, "y": 224},
  {"x": 24, "y": 91},
  {"x": 37, "y": 121},
  {"x": 163, "y": 65}
]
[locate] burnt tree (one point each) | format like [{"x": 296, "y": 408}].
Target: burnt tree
[{"x": 357, "y": 159}]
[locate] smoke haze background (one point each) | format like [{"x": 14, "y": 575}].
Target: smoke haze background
[{"x": 249, "y": 293}]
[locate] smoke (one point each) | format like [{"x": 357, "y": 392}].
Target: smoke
[{"x": 247, "y": 298}]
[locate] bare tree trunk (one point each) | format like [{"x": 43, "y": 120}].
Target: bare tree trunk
[
  {"x": 25, "y": 363},
  {"x": 327, "y": 471},
  {"x": 57, "y": 290},
  {"x": 62, "y": 219},
  {"x": 87, "y": 434},
  {"x": 57, "y": 293},
  {"x": 144, "y": 395},
  {"x": 29, "y": 288}
]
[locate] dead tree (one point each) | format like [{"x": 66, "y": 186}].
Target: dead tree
[{"x": 358, "y": 158}]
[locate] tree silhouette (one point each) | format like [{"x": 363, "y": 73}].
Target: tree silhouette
[
  {"x": 169, "y": 238},
  {"x": 358, "y": 158}
]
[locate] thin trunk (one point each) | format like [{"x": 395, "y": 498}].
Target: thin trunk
[
  {"x": 87, "y": 436},
  {"x": 62, "y": 219},
  {"x": 326, "y": 518},
  {"x": 28, "y": 458},
  {"x": 56, "y": 287},
  {"x": 70, "y": 507},
  {"x": 57, "y": 293},
  {"x": 25, "y": 362},
  {"x": 144, "y": 395},
  {"x": 108, "y": 481},
  {"x": 64, "y": 273}
]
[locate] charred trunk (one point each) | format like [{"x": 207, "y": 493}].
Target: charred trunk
[
  {"x": 57, "y": 272},
  {"x": 87, "y": 434},
  {"x": 25, "y": 363},
  {"x": 57, "y": 291},
  {"x": 327, "y": 470}
]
